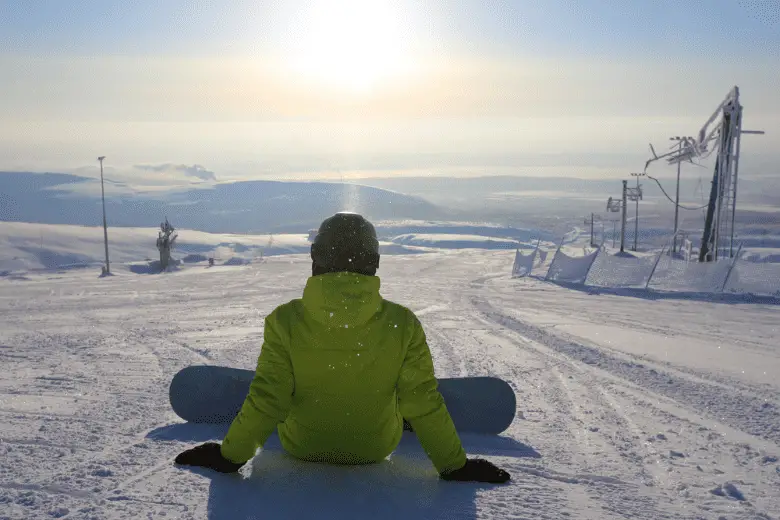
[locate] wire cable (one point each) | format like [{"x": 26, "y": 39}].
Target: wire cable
[{"x": 672, "y": 200}]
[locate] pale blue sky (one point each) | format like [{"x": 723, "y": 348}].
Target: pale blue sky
[
  {"x": 216, "y": 83},
  {"x": 611, "y": 27}
]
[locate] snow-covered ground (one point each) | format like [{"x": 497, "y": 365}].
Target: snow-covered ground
[
  {"x": 393, "y": 228},
  {"x": 629, "y": 405},
  {"x": 762, "y": 254},
  {"x": 454, "y": 241},
  {"x": 26, "y": 247}
]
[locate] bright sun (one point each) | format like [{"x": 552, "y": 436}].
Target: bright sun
[{"x": 353, "y": 45}]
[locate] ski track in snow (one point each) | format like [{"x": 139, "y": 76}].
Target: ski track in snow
[
  {"x": 750, "y": 413},
  {"x": 627, "y": 408}
]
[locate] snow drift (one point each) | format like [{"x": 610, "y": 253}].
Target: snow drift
[
  {"x": 569, "y": 269},
  {"x": 620, "y": 271}
]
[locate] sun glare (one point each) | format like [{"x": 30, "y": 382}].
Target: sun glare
[{"x": 352, "y": 45}]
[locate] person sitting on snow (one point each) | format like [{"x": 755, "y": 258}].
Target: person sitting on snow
[{"x": 342, "y": 370}]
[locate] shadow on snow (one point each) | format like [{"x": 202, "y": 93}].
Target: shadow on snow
[{"x": 405, "y": 485}]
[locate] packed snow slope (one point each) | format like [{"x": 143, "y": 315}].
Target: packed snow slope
[{"x": 663, "y": 408}]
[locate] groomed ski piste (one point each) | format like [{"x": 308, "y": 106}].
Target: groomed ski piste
[{"x": 631, "y": 404}]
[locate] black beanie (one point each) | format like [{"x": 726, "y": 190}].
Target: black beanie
[{"x": 345, "y": 242}]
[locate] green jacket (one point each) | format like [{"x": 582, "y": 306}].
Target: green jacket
[{"x": 338, "y": 370}]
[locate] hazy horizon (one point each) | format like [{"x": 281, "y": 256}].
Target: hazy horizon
[{"x": 296, "y": 90}]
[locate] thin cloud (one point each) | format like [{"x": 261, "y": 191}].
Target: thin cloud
[{"x": 196, "y": 170}]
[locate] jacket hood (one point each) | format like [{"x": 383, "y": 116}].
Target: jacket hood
[{"x": 342, "y": 299}]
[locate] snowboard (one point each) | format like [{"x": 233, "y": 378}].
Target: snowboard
[{"x": 214, "y": 394}]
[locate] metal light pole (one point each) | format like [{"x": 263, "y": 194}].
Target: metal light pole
[
  {"x": 613, "y": 206},
  {"x": 680, "y": 142},
  {"x": 636, "y": 217},
  {"x": 623, "y": 226},
  {"x": 591, "y": 230},
  {"x": 105, "y": 225},
  {"x": 590, "y": 222},
  {"x": 677, "y": 197},
  {"x": 636, "y": 195},
  {"x": 614, "y": 232}
]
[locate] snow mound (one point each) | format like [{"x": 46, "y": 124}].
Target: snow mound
[
  {"x": 398, "y": 249},
  {"x": 769, "y": 256},
  {"x": 237, "y": 261},
  {"x": 755, "y": 278},
  {"x": 194, "y": 258},
  {"x": 11, "y": 275},
  {"x": 620, "y": 270},
  {"x": 152, "y": 267},
  {"x": 730, "y": 490}
]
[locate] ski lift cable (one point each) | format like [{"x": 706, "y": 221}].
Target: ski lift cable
[{"x": 672, "y": 200}]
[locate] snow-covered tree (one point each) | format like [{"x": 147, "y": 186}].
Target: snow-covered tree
[{"x": 166, "y": 238}]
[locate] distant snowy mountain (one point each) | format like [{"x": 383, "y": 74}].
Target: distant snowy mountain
[{"x": 251, "y": 206}]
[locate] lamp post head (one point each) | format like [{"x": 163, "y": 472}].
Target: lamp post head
[{"x": 101, "y": 158}]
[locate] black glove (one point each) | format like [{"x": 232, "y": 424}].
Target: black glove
[
  {"x": 207, "y": 455},
  {"x": 478, "y": 470}
]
